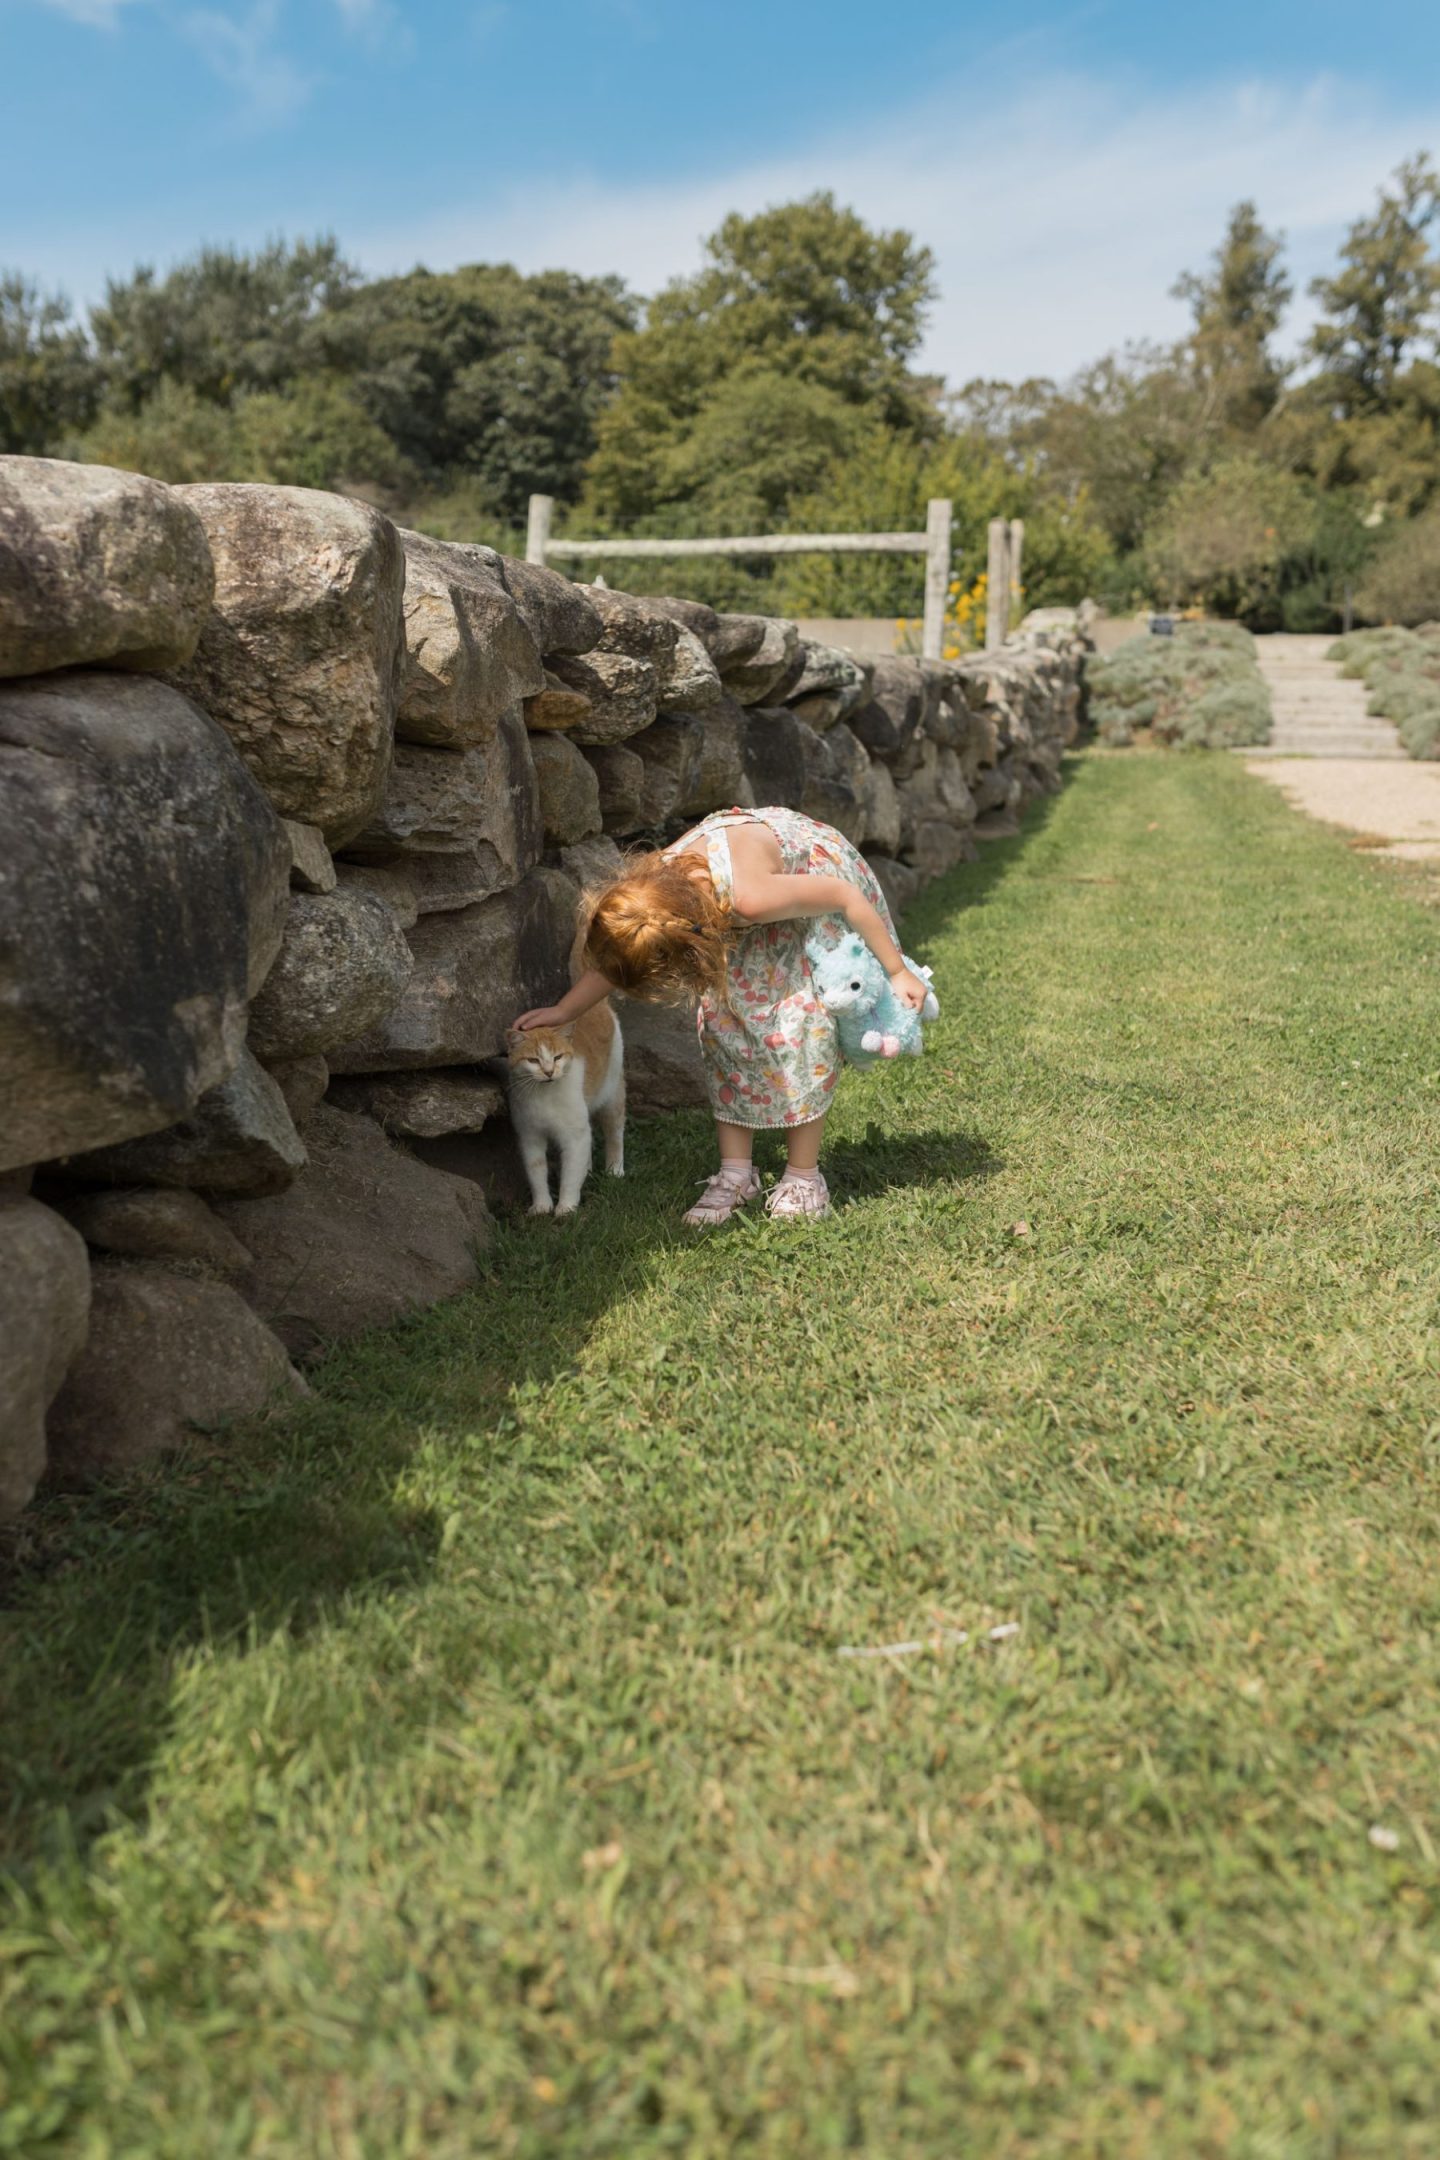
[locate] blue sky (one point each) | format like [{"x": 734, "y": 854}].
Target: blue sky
[{"x": 1064, "y": 163}]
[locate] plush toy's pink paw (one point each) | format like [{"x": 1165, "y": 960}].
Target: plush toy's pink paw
[{"x": 890, "y": 1046}]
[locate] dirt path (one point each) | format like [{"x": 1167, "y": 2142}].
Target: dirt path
[{"x": 1334, "y": 760}]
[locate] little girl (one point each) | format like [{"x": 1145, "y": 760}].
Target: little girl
[{"x": 723, "y": 916}]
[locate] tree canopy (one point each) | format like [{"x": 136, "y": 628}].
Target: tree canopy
[{"x": 780, "y": 388}]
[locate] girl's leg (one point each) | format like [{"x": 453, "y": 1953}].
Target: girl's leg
[
  {"x": 733, "y": 1184},
  {"x": 802, "y": 1144},
  {"x": 802, "y": 1190},
  {"x": 736, "y": 1143}
]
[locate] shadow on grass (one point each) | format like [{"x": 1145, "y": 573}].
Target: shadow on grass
[{"x": 293, "y": 1520}]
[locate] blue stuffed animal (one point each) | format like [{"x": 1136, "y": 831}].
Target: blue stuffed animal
[{"x": 853, "y": 987}]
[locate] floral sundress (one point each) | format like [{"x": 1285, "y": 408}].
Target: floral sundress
[{"x": 772, "y": 1056}]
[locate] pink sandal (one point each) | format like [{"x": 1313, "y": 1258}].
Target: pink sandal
[
  {"x": 795, "y": 1197},
  {"x": 724, "y": 1196}
]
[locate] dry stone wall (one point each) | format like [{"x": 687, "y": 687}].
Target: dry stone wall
[{"x": 296, "y": 810}]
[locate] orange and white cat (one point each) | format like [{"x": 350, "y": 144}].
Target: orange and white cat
[{"x": 559, "y": 1078}]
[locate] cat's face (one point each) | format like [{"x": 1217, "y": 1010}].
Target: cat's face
[{"x": 541, "y": 1055}]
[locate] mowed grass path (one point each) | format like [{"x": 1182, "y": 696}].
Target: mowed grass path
[{"x": 466, "y": 1766}]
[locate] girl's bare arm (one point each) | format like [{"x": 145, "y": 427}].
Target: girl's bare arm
[
  {"x": 578, "y": 999},
  {"x": 764, "y": 896}
]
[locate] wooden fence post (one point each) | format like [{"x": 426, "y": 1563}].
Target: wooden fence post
[
  {"x": 938, "y": 515},
  {"x": 1017, "y": 552},
  {"x": 537, "y": 531},
  {"x": 997, "y": 585}
]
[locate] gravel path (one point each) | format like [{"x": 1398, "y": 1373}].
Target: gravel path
[{"x": 1332, "y": 759}]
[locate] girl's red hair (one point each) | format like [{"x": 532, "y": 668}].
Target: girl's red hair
[{"x": 658, "y": 931}]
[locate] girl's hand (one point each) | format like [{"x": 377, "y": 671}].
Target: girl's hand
[
  {"x": 542, "y": 1016},
  {"x": 911, "y": 990}
]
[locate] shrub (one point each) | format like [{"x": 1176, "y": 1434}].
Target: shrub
[
  {"x": 1401, "y": 671},
  {"x": 1402, "y": 585},
  {"x": 1199, "y": 690}
]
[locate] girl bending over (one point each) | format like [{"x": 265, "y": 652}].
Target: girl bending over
[{"x": 722, "y": 916}]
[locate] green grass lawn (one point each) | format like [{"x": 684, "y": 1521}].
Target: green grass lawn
[{"x": 465, "y": 1764}]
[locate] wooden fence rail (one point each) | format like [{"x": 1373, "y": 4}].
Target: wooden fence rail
[{"x": 933, "y": 544}]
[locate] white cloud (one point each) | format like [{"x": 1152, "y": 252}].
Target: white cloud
[
  {"x": 242, "y": 51},
  {"x": 1059, "y": 214}
]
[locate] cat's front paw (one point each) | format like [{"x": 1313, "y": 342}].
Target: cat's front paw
[
  {"x": 541, "y": 1207},
  {"x": 615, "y": 1169},
  {"x": 562, "y": 1211}
]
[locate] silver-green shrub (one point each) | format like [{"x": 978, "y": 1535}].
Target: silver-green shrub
[
  {"x": 1401, "y": 671},
  {"x": 1198, "y": 690}
]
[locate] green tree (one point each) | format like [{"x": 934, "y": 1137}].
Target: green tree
[
  {"x": 1380, "y": 307},
  {"x": 220, "y": 324},
  {"x": 1237, "y": 309},
  {"x": 312, "y": 435},
  {"x": 175, "y": 435},
  {"x": 1118, "y": 436},
  {"x": 49, "y": 384},
  {"x": 805, "y": 293},
  {"x": 1402, "y": 584},
  {"x": 481, "y": 374},
  {"x": 1225, "y": 536}
]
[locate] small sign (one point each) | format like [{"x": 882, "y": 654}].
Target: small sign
[{"x": 1162, "y": 626}]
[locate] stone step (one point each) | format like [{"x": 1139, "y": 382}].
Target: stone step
[{"x": 1364, "y": 753}]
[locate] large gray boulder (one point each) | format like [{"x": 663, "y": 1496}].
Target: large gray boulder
[
  {"x": 733, "y": 639},
  {"x": 694, "y": 615},
  {"x": 936, "y": 846},
  {"x": 166, "y": 1355},
  {"x": 900, "y": 882},
  {"x": 672, "y": 752},
  {"x": 779, "y": 753},
  {"x": 556, "y": 706},
  {"x": 624, "y": 674},
  {"x": 569, "y": 791},
  {"x": 342, "y": 966},
  {"x": 720, "y": 783},
  {"x": 469, "y": 655},
  {"x": 830, "y": 686},
  {"x": 663, "y": 1067},
  {"x": 44, "y": 1310},
  {"x": 472, "y": 815},
  {"x": 836, "y": 769},
  {"x": 557, "y": 613},
  {"x": 239, "y": 1138},
  {"x": 759, "y": 678},
  {"x": 891, "y": 722},
  {"x": 880, "y": 811},
  {"x": 423, "y": 1105},
  {"x": 302, "y": 1082},
  {"x": 365, "y": 1235},
  {"x": 623, "y": 694},
  {"x": 97, "y": 566},
  {"x": 628, "y": 625},
  {"x": 592, "y": 863},
  {"x": 143, "y": 885},
  {"x": 155, "y": 1222},
  {"x": 476, "y": 968},
  {"x": 312, "y": 867},
  {"x": 300, "y": 659},
  {"x": 691, "y": 681},
  {"x": 621, "y": 777}
]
